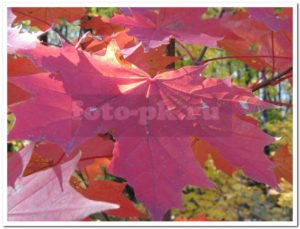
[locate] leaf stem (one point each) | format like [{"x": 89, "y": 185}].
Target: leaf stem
[
  {"x": 186, "y": 50},
  {"x": 204, "y": 49},
  {"x": 201, "y": 55}
]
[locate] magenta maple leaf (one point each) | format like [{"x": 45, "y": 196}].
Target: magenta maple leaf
[
  {"x": 152, "y": 119},
  {"x": 267, "y": 16},
  {"x": 40, "y": 197},
  {"x": 60, "y": 102},
  {"x": 186, "y": 25},
  {"x": 272, "y": 46},
  {"x": 17, "y": 164},
  {"x": 158, "y": 168}
]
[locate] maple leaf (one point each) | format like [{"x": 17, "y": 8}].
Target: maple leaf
[
  {"x": 47, "y": 155},
  {"x": 152, "y": 151},
  {"x": 186, "y": 25},
  {"x": 273, "y": 49},
  {"x": 283, "y": 164},
  {"x": 109, "y": 191},
  {"x": 58, "y": 110},
  {"x": 17, "y": 164},
  {"x": 16, "y": 94},
  {"x": 43, "y": 18},
  {"x": 152, "y": 62},
  {"x": 276, "y": 22},
  {"x": 90, "y": 43},
  {"x": 160, "y": 165},
  {"x": 101, "y": 26},
  {"x": 62, "y": 101},
  {"x": 244, "y": 137},
  {"x": 37, "y": 163},
  {"x": 92, "y": 170},
  {"x": 40, "y": 197},
  {"x": 202, "y": 149},
  {"x": 167, "y": 160}
]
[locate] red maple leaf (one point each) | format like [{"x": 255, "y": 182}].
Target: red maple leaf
[
  {"x": 16, "y": 94},
  {"x": 152, "y": 62},
  {"x": 154, "y": 29},
  {"x": 109, "y": 191},
  {"x": 45, "y": 17},
  {"x": 91, "y": 44},
  {"x": 47, "y": 155},
  {"x": 101, "y": 26},
  {"x": 259, "y": 37},
  {"x": 152, "y": 151}
]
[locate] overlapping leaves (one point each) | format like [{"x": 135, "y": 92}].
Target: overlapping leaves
[{"x": 75, "y": 88}]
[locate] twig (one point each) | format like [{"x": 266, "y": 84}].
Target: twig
[
  {"x": 273, "y": 54},
  {"x": 201, "y": 55},
  {"x": 186, "y": 50},
  {"x": 270, "y": 81},
  {"x": 204, "y": 49},
  {"x": 179, "y": 54},
  {"x": 289, "y": 105},
  {"x": 289, "y": 75}
]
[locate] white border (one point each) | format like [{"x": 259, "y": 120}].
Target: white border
[{"x": 141, "y": 3}]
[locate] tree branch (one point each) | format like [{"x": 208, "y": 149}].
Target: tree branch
[
  {"x": 171, "y": 52},
  {"x": 289, "y": 105},
  {"x": 270, "y": 81},
  {"x": 245, "y": 57}
]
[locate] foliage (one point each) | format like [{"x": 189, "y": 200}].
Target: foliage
[{"x": 87, "y": 58}]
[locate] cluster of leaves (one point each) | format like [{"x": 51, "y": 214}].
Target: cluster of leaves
[{"x": 138, "y": 58}]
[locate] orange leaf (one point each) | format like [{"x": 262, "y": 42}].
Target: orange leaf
[
  {"x": 15, "y": 93},
  {"x": 241, "y": 48},
  {"x": 283, "y": 164},
  {"x": 201, "y": 149},
  {"x": 152, "y": 62},
  {"x": 91, "y": 44},
  {"x": 93, "y": 170},
  {"x": 48, "y": 155},
  {"x": 14, "y": 69},
  {"x": 37, "y": 163},
  {"x": 109, "y": 191},
  {"x": 45, "y": 17},
  {"x": 101, "y": 26}
]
